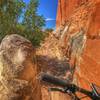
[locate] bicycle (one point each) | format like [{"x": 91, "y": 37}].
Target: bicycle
[{"x": 70, "y": 88}]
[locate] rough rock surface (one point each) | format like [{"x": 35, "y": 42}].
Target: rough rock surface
[
  {"x": 78, "y": 8},
  {"x": 83, "y": 14},
  {"x": 51, "y": 60},
  {"x": 76, "y": 41},
  {"x": 18, "y": 70}
]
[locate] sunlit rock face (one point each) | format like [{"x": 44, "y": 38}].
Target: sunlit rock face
[
  {"x": 83, "y": 14},
  {"x": 69, "y": 8},
  {"x": 52, "y": 61},
  {"x": 18, "y": 70}
]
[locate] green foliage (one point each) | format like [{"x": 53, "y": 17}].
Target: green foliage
[
  {"x": 12, "y": 11},
  {"x": 49, "y": 30}
]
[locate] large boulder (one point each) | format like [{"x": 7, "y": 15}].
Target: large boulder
[{"x": 18, "y": 70}]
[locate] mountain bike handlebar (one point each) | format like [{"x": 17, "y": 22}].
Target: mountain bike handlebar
[{"x": 67, "y": 87}]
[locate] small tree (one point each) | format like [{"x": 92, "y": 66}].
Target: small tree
[
  {"x": 49, "y": 30},
  {"x": 11, "y": 11},
  {"x": 33, "y": 23}
]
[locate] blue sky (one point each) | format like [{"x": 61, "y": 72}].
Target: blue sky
[{"x": 48, "y": 9}]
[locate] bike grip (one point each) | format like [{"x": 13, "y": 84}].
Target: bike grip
[
  {"x": 62, "y": 83},
  {"x": 53, "y": 80}
]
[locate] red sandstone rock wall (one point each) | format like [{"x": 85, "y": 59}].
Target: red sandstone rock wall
[
  {"x": 68, "y": 8},
  {"x": 84, "y": 14}
]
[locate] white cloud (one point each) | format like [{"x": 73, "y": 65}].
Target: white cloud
[{"x": 49, "y": 19}]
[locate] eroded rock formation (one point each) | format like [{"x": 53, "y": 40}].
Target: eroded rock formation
[
  {"x": 83, "y": 14},
  {"x": 51, "y": 60},
  {"x": 18, "y": 70}
]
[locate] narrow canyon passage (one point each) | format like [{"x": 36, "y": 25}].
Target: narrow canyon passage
[{"x": 65, "y": 44}]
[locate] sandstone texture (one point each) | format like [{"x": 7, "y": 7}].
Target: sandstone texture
[
  {"x": 18, "y": 70},
  {"x": 52, "y": 61},
  {"x": 82, "y": 14}
]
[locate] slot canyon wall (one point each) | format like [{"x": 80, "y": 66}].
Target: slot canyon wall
[{"x": 83, "y": 14}]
